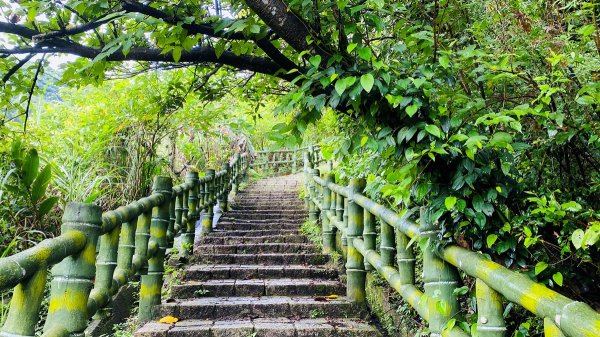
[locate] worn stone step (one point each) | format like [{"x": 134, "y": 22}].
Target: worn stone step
[
  {"x": 262, "y": 217},
  {"x": 227, "y": 226},
  {"x": 261, "y": 327},
  {"x": 234, "y": 240},
  {"x": 258, "y": 307},
  {"x": 287, "y": 219},
  {"x": 247, "y": 272},
  {"x": 254, "y": 232},
  {"x": 267, "y": 259},
  {"x": 257, "y": 248},
  {"x": 258, "y": 287},
  {"x": 272, "y": 213}
]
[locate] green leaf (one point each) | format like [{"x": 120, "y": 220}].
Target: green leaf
[
  {"x": 367, "y": 81},
  {"x": 540, "y": 267},
  {"x": 558, "y": 278},
  {"x": 412, "y": 109},
  {"x": 351, "y": 47},
  {"x": 449, "y": 202},
  {"x": 491, "y": 239},
  {"x": 365, "y": 53},
  {"x": 340, "y": 86},
  {"x": 177, "y": 53},
  {"x": 571, "y": 206},
  {"x": 586, "y": 30},
  {"x": 501, "y": 140},
  {"x": 38, "y": 189},
  {"x": 444, "y": 61},
  {"x": 577, "y": 238},
  {"x": 327, "y": 152},
  {"x": 434, "y": 130},
  {"x": 478, "y": 203},
  {"x": 31, "y": 166},
  {"x": 46, "y": 206},
  {"x": 315, "y": 60}
]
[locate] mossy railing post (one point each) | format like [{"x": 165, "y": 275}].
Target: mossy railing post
[
  {"x": 369, "y": 235},
  {"x": 207, "y": 219},
  {"x": 355, "y": 269},
  {"x": 294, "y": 161},
  {"x": 439, "y": 278},
  {"x": 151, "y": 283},
  {"x": 187, "y": 237},
  {"x": 235, "y": 171},
  {"x": 125, "y": 253},
  {"x": 339, "y": 215},
  {"x": 388, "y": 245},
  {"x": 224, "y": 204},
  {"x": 25, "y": 304},
  {"x": 345, "y": 226},
  {"x": 328, "y": 211},
  {"x": 404, "y": 258},
  {"x": 106, "y": 263},
  {"x": 172, "y": 218},
  {"x": 307, "y": 179},
  {"x": 313, "y": 210},
  {"x": 72, "y": 278},
  {"x": 490, "y": 318}
]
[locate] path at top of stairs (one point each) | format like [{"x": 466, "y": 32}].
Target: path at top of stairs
[{"x": 256, "y": 275}]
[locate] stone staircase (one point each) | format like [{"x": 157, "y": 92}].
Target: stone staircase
[{"x": 257, "y": 275}]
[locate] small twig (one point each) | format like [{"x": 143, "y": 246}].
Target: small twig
[
  {"x": 15, "y": 68},
  {"x": 35, "y": 78}
]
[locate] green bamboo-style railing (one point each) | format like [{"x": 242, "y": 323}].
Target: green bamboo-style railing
[
  {"x": 343, "y": 211},
  {"x": 132, "y": 242},
  {"x": 284, "y": 161}
]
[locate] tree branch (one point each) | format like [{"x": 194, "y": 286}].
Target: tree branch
[
  {"x": 197, "y": 55},
  {"x": 70, "y": 31},
  {"x": 208, "y": 30},
  {"x": 11, "y": 28}
]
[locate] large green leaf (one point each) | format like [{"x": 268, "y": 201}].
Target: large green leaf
[
  {"x": 367, "y": 81},
  {"x": 46, "y": 206},
  {"x": 31, "y": 166},
  {"x": 38, "y": 189}
]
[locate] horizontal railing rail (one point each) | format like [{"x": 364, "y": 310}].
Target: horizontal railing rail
[
  {"x": 345, "y": 211},
  {"x": 284, "y": 161},
  {"x": 132, "y": 241}
]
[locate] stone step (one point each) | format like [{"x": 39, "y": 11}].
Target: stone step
[
  {"x": 234, "y": 240},
  {"x": 252, "y": 208},
  {"x": 267, "y": 259},
  {"x": 263, "y": 219},
  {"x": 258, "y": 287},
  {"x": 254, "y": 232},
  {"x": 257, "y": 248},
  {"x": 261, "y": 327},
  {"x": 265, "y": 212},
  {"x": 228, "y": 226},
  {"x": 256, "y": 198},
  {"x": 262, "y": 216},
  {"x": 247, "y": 272},
  {"x": 258, "y": 307}
]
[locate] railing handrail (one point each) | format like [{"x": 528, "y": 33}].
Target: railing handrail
[
  {"x": 126, "y": 248},
  {"x": 334, "y": 202}
]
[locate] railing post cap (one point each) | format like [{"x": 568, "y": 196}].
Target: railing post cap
[
  {"x": 356, "y": 185},
  {"x": 315, "y": 172},
  {"x": 83, "y": 213},
  {"x": 210, "y": 172},
  {"x": 330, "y": 178},
  {"x": 163, "y": 184}
]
